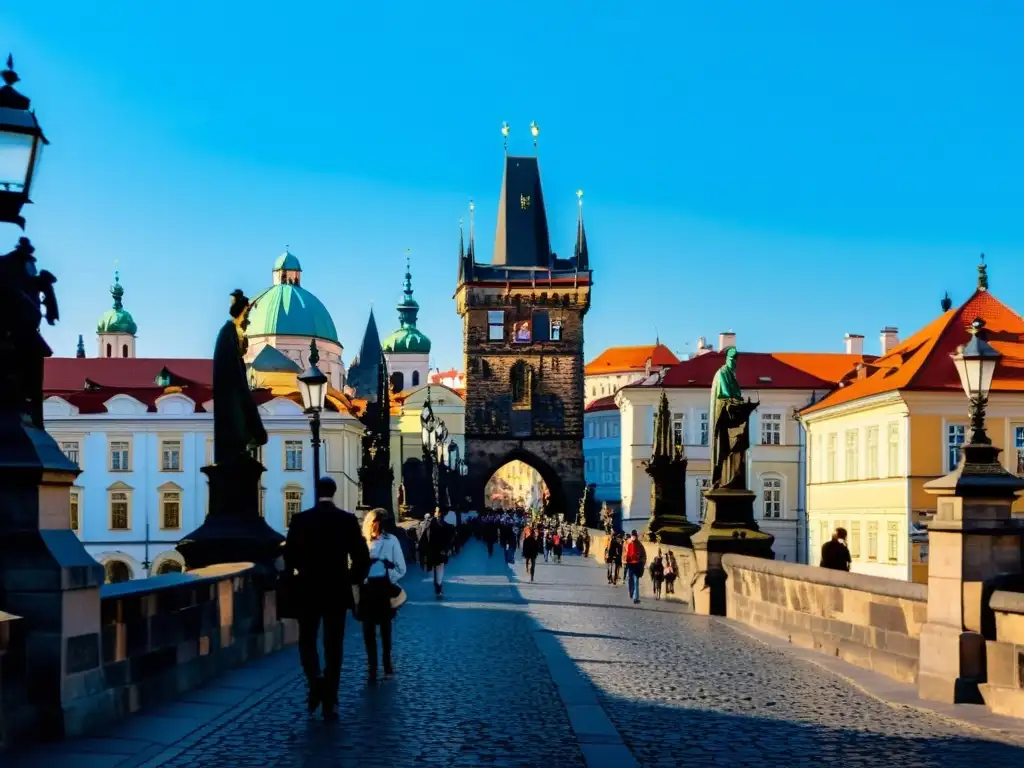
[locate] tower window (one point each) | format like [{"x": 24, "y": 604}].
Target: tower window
[
  {"x": 556, "y": 330},
  {"x": 110, "y": 351},
  {"x": 415, "y": 378},
  {"x": 496, "y": 325},
  {"x": 520, "y": 379},
  {"x": 124, "y": 350},
  {"x": 397, "y": 381}
]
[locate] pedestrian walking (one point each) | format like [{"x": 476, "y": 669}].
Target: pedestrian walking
[
  {"x": 613, "y": 557},
  {"x": 636, "y": 558},
  {"x": 321, "y": 543},
  {"x": 548, "y": 544},
  {"x": 531, "y": 548},
  {"x": 671, "y": 573},
  {"x": 438, "y": 545},
  {"x": 657, "y": 571},
  {"x": 586, "y": 543},
  {"x": 556, "y": 546},
  {"x": 387, "y": 567}
]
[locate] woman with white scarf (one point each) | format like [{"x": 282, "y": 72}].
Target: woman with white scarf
[{"x": 387, "y": 567}]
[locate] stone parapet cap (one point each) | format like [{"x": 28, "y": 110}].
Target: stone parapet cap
[
  {"x": 1007, "y": 602},
  {"x": 141, "y": 587},
  {"x": 877, "y": 585}
]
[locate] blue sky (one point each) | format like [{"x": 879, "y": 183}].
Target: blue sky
[{"x": 789, "y": 170}]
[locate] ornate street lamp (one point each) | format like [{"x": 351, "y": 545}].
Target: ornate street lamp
[
  {"x": 976, "y": 364},
  {"x": 313, "y": 386},
  {"x": 21, "y": 145}
]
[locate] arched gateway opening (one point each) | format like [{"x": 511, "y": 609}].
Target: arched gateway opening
[{"x": 516, "y": 485}]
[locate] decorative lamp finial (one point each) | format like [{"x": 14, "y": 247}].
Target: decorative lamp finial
[
  {"x": 982, "y": 275},
  {"x": 9, "y": 75},
  {"x": 535, "y": 132},
  {"x": 314, "y": 353},
  {"x": 504, "y": 132},
  {"x": 946, "y": 302}
]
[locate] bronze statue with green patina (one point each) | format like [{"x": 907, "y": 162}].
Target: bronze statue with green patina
[
  {"x": 237, "y": 427},
  {"x": 730, "y": 427}
]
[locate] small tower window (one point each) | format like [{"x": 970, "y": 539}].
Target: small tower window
[
  {"x": 415, "y": 378},
  {"x": 556, "y": 330},
  {"x": 520, "y": 381},
  {"x": 397, "y": 381},
  {"x": 124, "y": 350},
  {"x": 110, "y": 351}
]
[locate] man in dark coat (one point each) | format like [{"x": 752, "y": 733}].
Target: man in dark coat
[
  {"x": 531, "y": 548},
  {"x": 834, "y": 553},
  {"x": 321, "y": 543},
  {"x": 438, "y": 544}
]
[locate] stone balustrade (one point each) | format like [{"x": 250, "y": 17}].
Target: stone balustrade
[
  {"x": 869, "y": 621},
  {"x": 1004, "y": 655}
]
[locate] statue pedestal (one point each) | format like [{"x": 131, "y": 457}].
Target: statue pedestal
[
  {"x": 48, "y": 579},
  {"x": 234, "y": 531},
  {"x": 673, "y": 530},
  {"x": 729, "y": 526}
]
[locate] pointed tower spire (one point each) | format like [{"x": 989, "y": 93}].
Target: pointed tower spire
[
  {"x": 521, "y": 237},
  {"x": 462, "y": 256},
  {"x": 982, "y": 275},
  {"x": 946, "y": 302},
  {"x": 117, "y": 290},
  {"x": 471, "y": 253},
  {"x": 80, "y": 352},
  {"x": 408, "y": 308},
  {"x": 582, "y": 254}
]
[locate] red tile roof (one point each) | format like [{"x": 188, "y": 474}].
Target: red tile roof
[
  {"x": 606, "y": 403},
  {"x": 628, "y": 359},
  {"x": 922, "y": 362},
  {"x": 766, "y": 370},
  {"x": 70, "y": 373}
]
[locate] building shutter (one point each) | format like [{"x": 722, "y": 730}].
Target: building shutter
[{"x": 541, "y": 326}]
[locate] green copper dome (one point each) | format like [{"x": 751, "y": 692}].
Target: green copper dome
[
  {"x": 287, "y": 309},
  {"x": 116, "y": 319},
  {"x": 408, "y": 339},
  {"x": 287, "y": 261}
]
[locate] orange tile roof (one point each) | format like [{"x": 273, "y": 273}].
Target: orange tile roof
[
  {"x": 922, "y": 362},
  {"x": 627, "y": 359},
  {"x": 765, "y": 370}
]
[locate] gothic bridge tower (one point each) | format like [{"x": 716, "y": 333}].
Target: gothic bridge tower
[{"x": 522, "y": 320}]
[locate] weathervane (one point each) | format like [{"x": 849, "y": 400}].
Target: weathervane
[
  {"x": 535, "y": 132},
  {"x": 504, "y": 132}
]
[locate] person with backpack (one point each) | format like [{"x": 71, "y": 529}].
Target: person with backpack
[
  {"x": 556, "y": 546},
  {"x": 635, "y": 559},
  {"x": 671, "y": 573}
]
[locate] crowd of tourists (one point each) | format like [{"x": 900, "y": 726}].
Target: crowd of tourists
[
  {"x": 629, "y": 553},
  {"x": 535, "y": 534}
]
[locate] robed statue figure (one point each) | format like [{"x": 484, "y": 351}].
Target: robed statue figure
[
  {"x": 730, "y": 427},
  {"x": 237, "y": 428}
]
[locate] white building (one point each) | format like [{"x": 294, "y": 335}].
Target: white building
[
  {"x": 783, "y": 383},
  {"x": 141, "y": 429}
]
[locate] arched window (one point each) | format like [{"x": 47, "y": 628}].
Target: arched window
[
  {"x": 124, "y": 350},
  {"x": 168, "y": 566},
  {"x": 415, "y": 378},
  {"x": 110, "y": 351},
  {"x": 520, "y": 380},
  {"x": 117, "y": 571},
  {"x": 397, "y": 381},
  {"x": 771, "y": 497}
]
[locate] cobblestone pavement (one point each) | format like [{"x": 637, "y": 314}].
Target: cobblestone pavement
[
  {"x": 565, "y": 671},
  {"x": 691, "y": 690},
  {"x": 470, "y": 681}
]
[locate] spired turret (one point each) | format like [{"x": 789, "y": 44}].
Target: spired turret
[{"x": 116, "y": 328}]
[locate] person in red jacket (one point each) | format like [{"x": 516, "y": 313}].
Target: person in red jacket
[{"x": 635, "y": 558}]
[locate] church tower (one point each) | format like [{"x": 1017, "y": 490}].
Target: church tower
[
  {"x": 522, "y": 318},
  {"x": 407, "y": 350},
  {"x": 115, "y": 331}
]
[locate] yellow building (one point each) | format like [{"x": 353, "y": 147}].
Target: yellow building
[
  {"x": 406, "y": 431},
  {"x": 897, "y": 422}
]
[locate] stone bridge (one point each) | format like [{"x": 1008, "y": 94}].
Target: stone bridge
[{"x": 561, "y": 671}]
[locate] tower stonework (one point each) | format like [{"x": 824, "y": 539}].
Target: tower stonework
[{"x": 523, "y": 319}]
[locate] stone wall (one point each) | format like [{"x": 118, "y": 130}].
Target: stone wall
[
  {"x": 869, "y": 621},
  {"x": 1004, "y": 655},
  {"x": 15, "y": 714}
]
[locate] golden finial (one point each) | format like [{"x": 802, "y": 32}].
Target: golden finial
[
  {"x": 579, "y": 196},
  {"x": 504, "y": 132},
  {"x": 535, "y": 132}
]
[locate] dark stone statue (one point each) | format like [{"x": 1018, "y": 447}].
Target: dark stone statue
[
  {"x": 22, "y": 290},
  {"x": 730, "y": 429},
  {"x": 237, "y": 428}
]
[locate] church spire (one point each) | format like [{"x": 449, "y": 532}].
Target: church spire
[
  {"x": 581, "y": 253},
  {"x": 471, "y": 253},
  {"x": 408, "y": 309},
  {"x": 462, "y": 256},
  {"x": 521, "y": 237},
  {"x": 80, "y": 352}
]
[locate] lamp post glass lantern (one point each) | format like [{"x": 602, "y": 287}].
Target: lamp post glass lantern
[
  {"x": 21, "y": 146},
  {"x": 976, "y": 364},
  {"x": 313, "y": 388}
]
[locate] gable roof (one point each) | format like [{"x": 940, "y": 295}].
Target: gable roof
[
  {"x": 630, "y": 359},
  {"x": 765, "y": 370},
  {"x": 606, "y": 403},
  {"x": 923, "y": 363}
]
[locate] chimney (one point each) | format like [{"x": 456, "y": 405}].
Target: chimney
[
  {"x": 889, "y": 339},
  {"x": 854, "y": 344},
  {"x": 726, "y": 340},
  {"x": 702, "y": 346}
]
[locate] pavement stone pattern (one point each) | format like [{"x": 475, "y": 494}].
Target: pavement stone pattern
[
  {"x": 563, "y": 671},
  {"x": 690, "y": 690}
]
